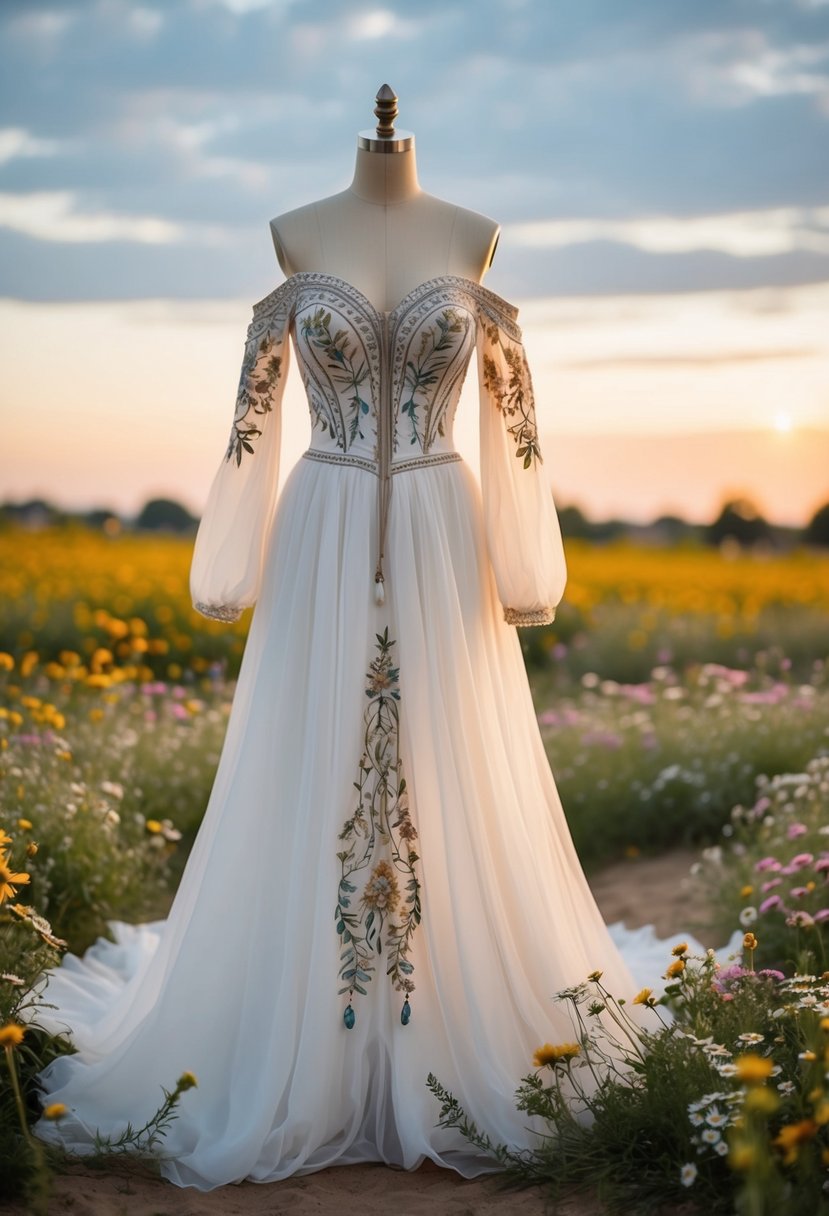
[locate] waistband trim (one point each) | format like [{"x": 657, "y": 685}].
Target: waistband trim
[{"x": 400, "y": 466}]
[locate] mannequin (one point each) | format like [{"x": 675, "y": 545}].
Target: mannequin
[{"x": 384, "y": 235}]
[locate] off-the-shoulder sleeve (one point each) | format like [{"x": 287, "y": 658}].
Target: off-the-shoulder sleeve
[
  {"x": 522, "y": 526},
  {"x": 226, "y": 567}
]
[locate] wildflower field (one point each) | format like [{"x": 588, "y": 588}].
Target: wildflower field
[{"x": 683, "y": 696}]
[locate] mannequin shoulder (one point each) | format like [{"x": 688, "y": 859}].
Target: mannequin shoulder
[
  {"x": 296, "y": 239},
  {"x": 474, "y": 238}
]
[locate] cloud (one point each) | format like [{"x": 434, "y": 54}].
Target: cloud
[
  {"x": 17, "y": 142},
  {"x": 741, "y": 234},
  {"x": 53, "y": 216}
]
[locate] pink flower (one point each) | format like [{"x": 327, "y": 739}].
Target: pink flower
[
  {"x": 803, "y": 859},
  {"x": 821, "y": 916},
  {"x": 771, "y": 884},
  {"x": 773, "y": 901},
  {"x": 822, "y": 865},
  {"x": 767, "y": 863},
  {"x": 796, "y": 829},
  {"x": 799, "y": 892},
  {"x": 800, "y": 920}
]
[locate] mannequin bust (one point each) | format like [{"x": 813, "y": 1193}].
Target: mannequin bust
[{"x": 383, "y": 234}]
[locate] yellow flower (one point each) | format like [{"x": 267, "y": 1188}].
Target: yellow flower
[
  {"x": 676, "y": 968},
  {"x": 11, "y": 1035},
  {"x": 764, "y": 1101},
  {"x": 153, "y": 825},
  {"x": 822, "y": 1112},
  {"x": 31, "y": 848},
  {"x": 55, "y": 1110},
  {"x": 187, "y": 1080},
  {"x": 553, "y": 1053},
  {"x": 680, "y": 948},
  {"x": 381, "y": 889},
  {"x": 752, "y": 1068},
  {"x": 791, "y": 1136},
  {"x": 25, "y": 825},
  {"x": 6, "y": 661},
  {"x": 6, "y": 839},
  {"x": 749, "y": 942},
  {"x": 741, "y": 1155},
  {"x": 747, "y": 890},
  {"x": 9, "y": 881},
  {"x": 643, "y": 997},
  {"x": 824, "y": 1022}
]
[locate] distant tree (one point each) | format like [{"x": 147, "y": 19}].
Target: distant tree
[
  {"x": 33, "y": 513},
  {"x": 164, "y": 514},
  {"x": 671, "y": 528},
  {"x": 816, "y": 531},
  {"x": 740, "y": 521},
  {"x": 573, "y": 522}
]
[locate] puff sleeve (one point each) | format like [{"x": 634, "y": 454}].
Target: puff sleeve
[
  {"x": 226, "y": 566},
  {"x": 521, "y": 522}
]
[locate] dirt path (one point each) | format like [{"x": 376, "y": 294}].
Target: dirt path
[{"x": 638, "y": 891}]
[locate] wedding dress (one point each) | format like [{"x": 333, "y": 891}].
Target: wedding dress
[{"x": 384, "y": 884}]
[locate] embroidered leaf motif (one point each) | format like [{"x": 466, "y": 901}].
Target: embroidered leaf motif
[
  {"x": 424, "y": 371},
  {"x": 347, "y": 369},
  {"x": 261, "y": 371},
  {"x": 388, "y": 910},
  {"x": 507, "y": 379}
]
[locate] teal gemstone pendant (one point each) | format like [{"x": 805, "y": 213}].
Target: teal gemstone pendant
[
  {"x": 349, "y": 1017},
  {"x": 406, "y": 1012}
]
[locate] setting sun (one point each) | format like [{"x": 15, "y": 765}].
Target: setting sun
[{"x": 783, "y": 422}]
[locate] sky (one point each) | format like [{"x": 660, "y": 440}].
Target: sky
[{"x": 660, "y": 171}]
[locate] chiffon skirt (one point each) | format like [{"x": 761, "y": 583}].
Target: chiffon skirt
[{"x": 240, "y": 984}]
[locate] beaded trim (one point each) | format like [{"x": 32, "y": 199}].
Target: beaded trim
[
  {"x": 536, "y": 616},
  {"x": 401, "y": 466},
  {"x": 219, "y": 612}
]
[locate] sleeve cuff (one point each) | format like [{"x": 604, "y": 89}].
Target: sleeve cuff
[
  {"x": 218, "y": 612},
  {"x": 532, "y": 616}
]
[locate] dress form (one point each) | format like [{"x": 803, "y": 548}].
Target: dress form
[{"x": 383, "y": 234}]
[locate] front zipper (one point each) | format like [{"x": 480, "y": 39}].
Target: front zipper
[{"x": 384, "y": 429}]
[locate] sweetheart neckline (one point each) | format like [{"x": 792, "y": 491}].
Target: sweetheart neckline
[{"x": 510, "y": 309}]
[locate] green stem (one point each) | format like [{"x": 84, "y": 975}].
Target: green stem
[{"x": 18, "y": 1098}]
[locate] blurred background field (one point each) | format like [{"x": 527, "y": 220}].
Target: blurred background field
[{"x": 671, "y": 679}]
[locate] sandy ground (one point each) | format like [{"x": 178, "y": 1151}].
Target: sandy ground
[{"x": 638, "y": 891}]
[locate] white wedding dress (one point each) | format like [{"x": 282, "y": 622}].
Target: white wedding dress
[{"x": 384, "y": 884}]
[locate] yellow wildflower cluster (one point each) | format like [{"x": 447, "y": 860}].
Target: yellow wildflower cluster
[{"x": 552, "y": 1054}]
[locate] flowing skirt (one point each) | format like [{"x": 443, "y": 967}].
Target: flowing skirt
[{"x": 241, "y": 983}]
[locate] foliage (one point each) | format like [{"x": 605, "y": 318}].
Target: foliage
[
  {"x": 723, "y": 1101},
  {"x": 647, "y": 766},
  {"x": 773, "y": 872}
]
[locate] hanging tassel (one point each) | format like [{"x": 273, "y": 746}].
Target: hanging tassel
[
  {"x": 349, "y": 1017},
  {"x": 406, "y": 1012},
  {"x": 379, "y": 588}
]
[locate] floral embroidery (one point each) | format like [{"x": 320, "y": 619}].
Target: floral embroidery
[
  {"x": 261, "y": 370},
  {"x": 387, "y": 911},
  {"x": 513, "y": 395},
  {"x": 347, "y": 368},
  {"x": 424, "y": 371}
]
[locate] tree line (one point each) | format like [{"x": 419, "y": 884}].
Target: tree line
[{"x": 738, "y": 522}]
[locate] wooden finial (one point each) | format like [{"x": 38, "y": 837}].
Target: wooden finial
[{"x": 386, "y": 111}]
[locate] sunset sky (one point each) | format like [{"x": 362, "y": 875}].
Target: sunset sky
[{"x": 660, "y": 172}]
